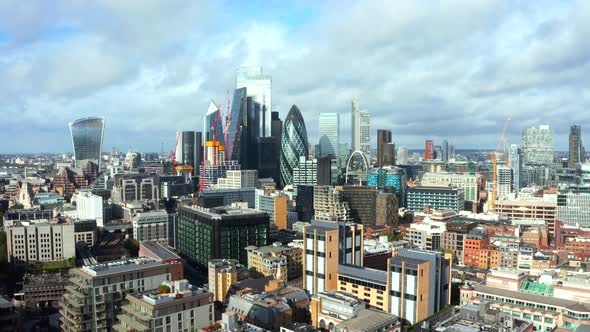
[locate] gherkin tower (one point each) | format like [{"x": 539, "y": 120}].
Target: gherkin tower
[{"x": 293, "y": 144}]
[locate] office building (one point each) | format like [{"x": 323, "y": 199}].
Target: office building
[
  {"x": 573, "y": 208},
  {"x": 328, "y": 170},
  {"x": 416, "y": 284},
  {"x": 41, "y": 241},
  {"x": 385, "y": 148},
  {"x": 329, "y": 134},
  {"x": 174, "y": 306},
  {"x": 362, "y": 203},
  {"x": 264, "y": 311},
  {"x": 162, "y": 252},
  {"x": 437, "y": 198},
  {"x": 403, "y": 157},
  {"x": 306, "y": 172},
  {"x": 213, "y": 127},
  {"x": 150, "y": 226},
  {"x": 453, "y": 238},
  {"x": 278, "y": 261},
  {"x": 530, "y": 208},
  {"x": 87, "y": 137},
  {"x": 222, "y": 274},
  {"x": 68, "y": 180},
  {"x": 326, "y": 244},
  {"x": 535, "y": 175},
  {"x": 210, "y": 198},
  {"x": 426, "y": 235},
  {"x": 239, "y": 134},
  {"x": 387, "y": 209},
  {"x": 85, "y": 231},
  {"x": 515, "y": 161},
  {"x": 361, "y": 130},
  {"x": 275, "y": 205},
  {"x": 294, "y": 144},
  {"x": 220, "y": 232},
  {"x": 468, "y": 183},
  {"x": 576, "y": 148},
  {"x": 270, "y": 150},
  {"x": 438, "y": 153},
  {"x": 445, "y": 150},
  {"x": 89, "y": 207},
  {"x": 357, "y": 168},
  {"x": 259, "y": 88},
  {"x": 236, "y": 179},
  {"x": 504, "y": 178},
  {"x": 189, "y": 149},
  {"x": 537, "y": 145},
  {"x": 133, "y": 188},
  {"x": 356, "y": 125},
  {"x": 304, "y": 203},
  {"x": 429, "y": 150},
  {"x": 328, "y": 204},
  {"x": 86, "y": 306}
]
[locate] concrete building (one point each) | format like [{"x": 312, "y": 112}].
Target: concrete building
[
  {"x": 306, "y": 172},
  {"x": 328, "y": 204},
  {"x": 362, "y": 202},
  {"x": 221, "y": 232},
  {"x": 361, "y": 130},
  {"x": 210, "y": 198},
  {"x": 150, "y": 226},
  {"x": 515, "y": 161},
  {"x": 266, "y": 312},
  {"x": 96, "y": 293},
  {"x": 504, "y": 185},
  {"x": 222, "y": 274},
  {"x": 236, "y": 179},
  {"x": 41, "y": 290},
  {"x": 530, "y": 208},
  {"x": 453, "y": 238},
  {"x": 426, "y": 235},
  {"x": 281, "y": 262},
  {"x": 275, "y": 205},
  {"x": 403, "y": 157},
  {"x": 468, "y": 183},
  {"x": 573, "y": 208},
  {"x": 385, "y": 148},
  {"x": 42, "y": 241},
  {"x": 175, "y": 306},
  {"x": 131, "y": 188},
  {"x": 162, "y": 252},
  {"x": 189, "y": 150},
  {"x": 438, "y": 198},
  {"x": 89, "y": 206},
  {"x": 326, "y": 244}
]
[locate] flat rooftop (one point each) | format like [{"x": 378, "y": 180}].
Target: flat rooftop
[
  {"x": 159, "y": 250},
  {"x": 363, "y": 273},
  {"x": 121, "y": 266},
  {"x": 367, "y": 320}
]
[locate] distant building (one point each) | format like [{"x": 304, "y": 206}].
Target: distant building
[
  {"x": 573, "y": 208},
  {"x": 221, "y": 232},
  {"x": 329, "y": 124},
  {"x": 328, "y": 204},
  {"x": 361, "y": 129},
  {"x": 294, "y": 144},
  {"x": 537, "y": 145},
  {"x": 259, "y": 88},
  {"x": 281, "y": 262},
  {"x": 402, "y": 156},
  {"x": 87, "y": 137},
  {"x": 150, "y": 226},
  {"x": 576, "y": 147},
  {"x": 467, "y": 182},
  {"x": 189, "y": 150},
  {"x": 131, "y": 188},
  {"x": 264, "y": 311},
  {"x": 238, "y": 179},
  {"x": 429, "y": 150},
  {"x": 385, "y": 148},
  {"x": 306, "y": 172},
  {"x": 515, "y": 161},
  {"x": 435, "y": 197},
  {"x": 504, "y": 178},
  {"x": 210, "y": 198}
]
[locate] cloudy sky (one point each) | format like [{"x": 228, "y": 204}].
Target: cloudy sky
[{"x": 424, "y": 69}]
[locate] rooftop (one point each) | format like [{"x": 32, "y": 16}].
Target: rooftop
[
  {"x": 367, "y": 320},
  {"x": 121, "y": 266},
  {"x": 159, "y": 250},
  {"x": 363, "y": 273}
]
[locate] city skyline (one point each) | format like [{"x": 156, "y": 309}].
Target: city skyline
[{"x": 153, "y": 80}]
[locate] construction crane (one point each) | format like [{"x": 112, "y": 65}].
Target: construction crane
[
  {"x": 495, "y": 162},
  {"x": 173, "y": 156}
]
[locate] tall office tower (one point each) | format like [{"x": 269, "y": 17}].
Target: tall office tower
[
  {"x": 293, "y": 144},
  {"x": 213, "y": 125},
  {"x": 269, "y": 150},
  {"x": 451, "y": 151},
  {"x": 362, "y": 202},
  {"x": 429, "y": 150},
  {"x": 504, "y": 185},
  {"x": 576, "y": 149},
  {"x": 402, "y": 156},
  {"x": 238, "y": 130},
  {"x": 515, "y": 163},
  {"x": 189, "y": 150},
  {"x": 445, "y": 151},
  {"x": 365, "y": 131},
  {"x": 385, "y": 149},
  {"x": 537, "y": 145},
  {"x": 88, "y": 308},
  {"x": 438, "y": 155},
  {"x": 87, "y": 136},
  {"x": 327, "y": 244},
  {"x": 329, "y": 134},
  {"x": 344, "y": 154},
  {"x": 306, "y": 172},
  {"x": 259, "y": 87},
  {"x": 355, "y": 125}
]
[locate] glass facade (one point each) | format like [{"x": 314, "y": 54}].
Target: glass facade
[
  {"x": 293, "y": 144},
  {"x": 87, "y": 135},
  {"x": 329, "y": 134}
]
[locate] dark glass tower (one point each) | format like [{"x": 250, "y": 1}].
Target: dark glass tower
[
  {"x": 293, "y": 144},
  {"x": 189, "y": 150},
  {"x": 87, "y": 135}
]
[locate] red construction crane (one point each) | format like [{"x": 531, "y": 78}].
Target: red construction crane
[{"x": 173, "y": 156}]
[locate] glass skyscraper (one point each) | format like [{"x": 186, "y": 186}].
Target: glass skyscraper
[
  {"x": 259, "y": 87},
  {"x": 87, "y": 136},
  {"x": 293, "y": 144},
  {"x": 213, "y": 125},
  {"x": 329, "y": 134}
]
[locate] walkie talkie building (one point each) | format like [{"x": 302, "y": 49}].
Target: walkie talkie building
[{"x": 87, "y": 136}]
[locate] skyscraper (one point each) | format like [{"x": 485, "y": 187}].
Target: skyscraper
[
  {"x": 355, "y": 125},
  {"x": 515, "y": 163},
  {"x": 259, "y": 87},
  {"x": 237, "y": 135},
  {"x": 429, "y": 150},
  {"x": 213, "y": 125},
  {"x": 385, "y": 149},
  {"x": 87, "y": 136},
  {"x": 293, "y": 144},
  {"x": 445, "y": 151},
  {"x": 329, "y": 134},
  {"x": 504, "y": 185},
  {"x": 537, "y": 145},
  {"x": 402, "y": 156},
  {"x": 576, "y": 149},
  {"x": 189, "y": 150},
  {"x": 365, "y": 131}
]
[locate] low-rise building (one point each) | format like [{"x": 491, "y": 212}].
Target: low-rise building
[
  {"x": 41, "y": 290},
  {"x": 161, "y": 252},
  {"x": 224, "y": 273},
  {"x": 262, "y": 310},
  {"x": 150, "y": 226},
  {"x": 435, "y": 197},
  {"x": 280, "y": 261}
]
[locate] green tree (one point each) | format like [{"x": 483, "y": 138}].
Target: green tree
[
  {"x": 132, "y": 247},
  {"x": 17, "y": 206},
  {"x": 392, "y": 236}
]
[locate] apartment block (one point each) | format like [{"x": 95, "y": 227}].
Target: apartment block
[{"x": 282, "y": 262}]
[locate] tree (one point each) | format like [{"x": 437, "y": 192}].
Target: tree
[
  {"x": 132, "y": 247},
  {"x": 17, "y": 206},
  {"x": 463, "y": 277},
  {"x": 392, "y": 236}
]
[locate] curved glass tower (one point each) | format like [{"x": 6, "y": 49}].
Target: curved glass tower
[
  {"x": 293, "y": 144},
  {"x": 87, "y": 135}
]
